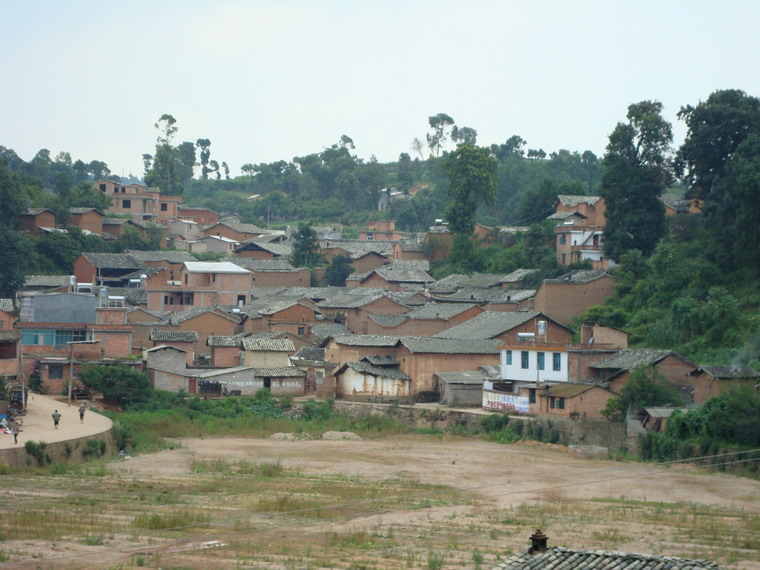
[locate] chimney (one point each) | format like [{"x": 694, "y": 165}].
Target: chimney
[{"x": 538, "y": 542}]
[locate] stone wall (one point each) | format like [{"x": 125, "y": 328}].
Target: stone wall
[{"x": 59, "y": 451}]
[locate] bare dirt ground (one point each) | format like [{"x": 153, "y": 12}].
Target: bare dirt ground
[{"x": 505, "y": 492}]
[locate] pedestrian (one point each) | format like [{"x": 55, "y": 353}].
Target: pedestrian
[
  {"x": 14, "y": 431},
  {"x": 56, "y": 418},
  {"x": 81, "y": 414}
]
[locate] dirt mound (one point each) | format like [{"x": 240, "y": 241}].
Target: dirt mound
[
  {"x": 338, "y": 435},
  {"x": 290, "y": 436}
]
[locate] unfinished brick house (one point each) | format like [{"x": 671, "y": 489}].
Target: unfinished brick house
[
  {"x": 573, "y": 293},
  {"x": 396, "y": 276},
  {"x": 35, "y": 218},
  {"x": 139, "y": 201},
  {"x": 579, "y": 233}
]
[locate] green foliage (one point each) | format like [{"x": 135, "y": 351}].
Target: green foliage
[
  {"x": 305, "y": 247},
  {"x": 636, "y": 172},
  {"x": 94, "y": 448},
  {"x": 494, "y": 422},
  {"x": 339, "y": 268},
  {"x": 38, "y": 451},
  {"x": 313, "y": 410},
  {"x": 645, "y": 387},
  {"x": 471, "y": 172},
  {"x": 122, "y": 385}
]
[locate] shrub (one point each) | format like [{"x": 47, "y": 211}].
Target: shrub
[{"x": 494, "y": 422}]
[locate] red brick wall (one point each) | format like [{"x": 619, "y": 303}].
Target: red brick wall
[
  {"x": 91, "y": 221},
  {"x": 206, "y": 325},
  {"x": 225, "y": 356},
  {"x": 562, "y": 301},
  {"x": 300, "y": 278},
  {"x": 84, "y": 271}
]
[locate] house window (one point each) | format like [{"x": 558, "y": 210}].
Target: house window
[
  {"x": 560, "y": 403},
  {"x": 562, "y": 239},
  {"x": 524, "y": 359},
  {"x": 557, "y": 403},
  {"x": 301, "y": 331},
  {"x": 103, "y": 187},
  {"x": 49, "y": 337},
  {"x": 164, "y": 206},
  {"x": 509, "y": 358},
  {"x": 556, "y": 361},
  {"x": 541, "y": 360},
  {"x": 532, "y": 396},
  {"x": 126, "y": 203},
  {"x": 7, "y": 350},
  {"x": 369, "y": 237},
  {"x": 55, "y": 371},
  {"x": 241, "y": 300}
]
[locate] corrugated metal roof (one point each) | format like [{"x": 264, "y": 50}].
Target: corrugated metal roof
[
  {"x": 270, "y": 345},
  {"x": 7, "y": 305}
]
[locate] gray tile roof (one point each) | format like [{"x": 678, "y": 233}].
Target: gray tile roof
[
  {"x": 388, "y": 320},
  {"x": 443, "y": 311},
  {"x": 580, "y": 276},
  {"x": 348, "y": 301},
  {"x": 45, "y": 281},
  {"x": 366, "y": 368},
  {"x": 168, "y": 256},
  {"x": 264, "y": 265},
  {"x": 367, "y": 340},
  {"x": 84, "y": 211},
  {"x": 269, "y": 345},
  {"x": 406, "y": 272},
  {"x": 569, "y": 559},
  {"x": 473, "y": 377},
  {"x": 192, "y": 312},
  {"x": 7, "y": 305},
  {"x": 680, "y": 205},
  {"x": 518, "y": 275},
  {"x": 450, "y": 345},
  {"x": 271, "y": 305},
  {"x": 36, "y": 211},
  {"x": 728, "y": 372},
  {"x": 239, "y": 227},
  {"x": 113, "y": 260},
  {"x": 488, "y": 295},
  {"x": 273, "y": 248},
  {"x": 280, "y": 372},
  {"x": 309, "y": 353},
  {"x": 632, "y": 358},
  {"x": 571, "y": 201},
  {"x": 358, "y": 248},
  {"x": 173, "y": 336},
  {"x": 328, "y": 330},
  {"x": 487, "y": 325},
  {"x": 379, "y": 360},
  {"x": 222, "y": 341}
]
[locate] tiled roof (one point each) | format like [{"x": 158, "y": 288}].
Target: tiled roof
[
  {"x": 388, "y": 320},
  {"x": 367, "y": 340},
  {"x": 274, "y": 248},
  {"x": 443, "y": 311},
  {"x": 561, "y": 216},
  {"x": 488, "y": 295},
  {"x": 221, "y": 341},
  {"x": 487, "y": 325},
  {"x": 348, "y": 301},
  {"x": 567, "y": 390},
  {"x": 450, "y": 345},
  {"x": 380, "y": 360},
  {"x": 113, "y": 260},
  {"x": 271, "y": 305},
  {"x": 406, "y": 271},
  {"x": 358, "y": 248},
  {"x": 240, "y": 227},
  {"x": 309, "y": 353},
  {"x": 169, "y": 256},
  {"x": 271, "y": 345},
  {"x": 663, "y": 412},
  {"x": 568, "y": 559},
  {"x": 728, "y": 372},
  {"x": 147, "y": 271},
  {"x": 75, "y": 211},
  {"x": 518, "y": 275},
  {"x": 366, "y": 368},
  {"x": 632, "y": 358},
  {"x": 36, "y": 211},
  {"x": 173, "y": 336},
  {"x": 280, "y": 372},
  {"x": 680, "y": 205},
  {"x": 580, "y": 276},
  {"x": 192, "y": 312},
  {"x": 571, "y": 201},
  {"x": 7, "y": 305},
  {"x": 328, "y": 330},
  {"x": 47, "y": 281}
]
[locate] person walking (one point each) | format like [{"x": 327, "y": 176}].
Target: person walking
[
  {"x": 81, "y": 414},
  {"x": 56, "y": 418},
  {"x": 14, "y": 431}
]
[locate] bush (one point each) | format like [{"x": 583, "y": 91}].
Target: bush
[{"x": 494, "y": 422}]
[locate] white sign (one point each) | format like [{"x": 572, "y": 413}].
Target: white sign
[{"x": 505, "y": 402}]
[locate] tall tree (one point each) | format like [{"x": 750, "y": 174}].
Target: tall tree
[
  {"x": 170, "y": 167},
  {"x": 440, "y": 124},
  {"x": 471, "y": 171},
  {"x": 305, "y": 247},
  {"x": 340, "y": 267},
  {"x": 464, "y": 135},
  {"x": 636, "y": 172}
]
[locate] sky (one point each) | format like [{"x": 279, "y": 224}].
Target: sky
[{"x": 271, "y": 80}]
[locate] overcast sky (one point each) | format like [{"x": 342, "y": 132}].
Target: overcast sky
[{"x": 270, "y": 80}]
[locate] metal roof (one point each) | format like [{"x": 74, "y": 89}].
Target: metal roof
[{"x": 213, "y": 267}]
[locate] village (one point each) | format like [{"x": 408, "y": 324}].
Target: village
[{"x": 392, "y": 335}]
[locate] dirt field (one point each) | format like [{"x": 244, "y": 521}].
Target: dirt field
[{"x": 414, "y": 501}]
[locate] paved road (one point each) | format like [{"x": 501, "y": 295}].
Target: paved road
[{"x": 38, "y": 422}]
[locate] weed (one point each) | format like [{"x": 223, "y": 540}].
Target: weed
[{"x": 93, "y": 540}]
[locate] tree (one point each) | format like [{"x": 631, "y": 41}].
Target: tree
[
  {"x": 645, "y": 387},
  {"x": 340, "y": 267},
  {"x": 465, "y": 135},
  {"x": 471, "y": 171},
  {"x": 170, "y": 167},
  {"x": 122, "y": 385},
  {"x": 636, "y": 172},
  {"x": 439, "y": 123},
  {"x": 417, "y": 147},
  {"x": 205, "y": 153},
  {"x": 305, "y": 247}
]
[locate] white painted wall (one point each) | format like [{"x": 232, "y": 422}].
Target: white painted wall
[{"x": 515, "y": 371}]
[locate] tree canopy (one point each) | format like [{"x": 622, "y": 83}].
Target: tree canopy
[{"x": 471, "y": 171}]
